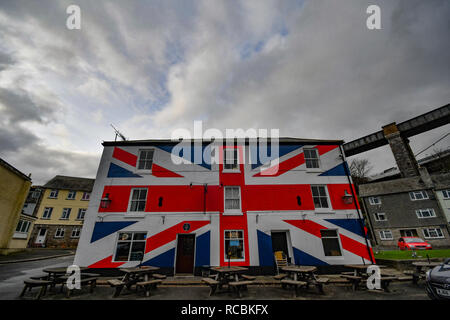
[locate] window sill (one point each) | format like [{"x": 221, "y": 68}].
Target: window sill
[
  {"x": 316, "y": 170},
  {"x": 232, "y": 213},
  {"x": 319, "y": 211},
  {"x": 231, "y": 171},
  {"x": 143, "y": 172},
  {"x": 135, "y": 215}
]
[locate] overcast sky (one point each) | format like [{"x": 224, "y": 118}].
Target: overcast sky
[{"x": 310, "y": 68}]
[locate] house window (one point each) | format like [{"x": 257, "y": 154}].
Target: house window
[
  {"x": 86, "y": 196},
  {"x": 380, "y": 216},
  {"x": 47, "y": 213},
  {"x": 81, "y": 213},
  {"x": 66, "y": 213},
  {"x": 374, "y": 200},
  {"x": 425, "y": 213},
  {"x": 408, "y": 233},
  {"x": 23, "y": 226},
  {"x": 130, "y": 246},
  {"x": 53, "y": 194},
  {"x": 71, "y": 195},
  {"x": 234, "y": 245},
  {"x": 59, "y": 233},
  {"x": 433, "y": 233},
  {"x": 386, "y": 235},
  {"x": 330, "y": 242},
  {"x": 320, "y": 196},
  {"x": 145, "y": 159},
  {"x": 418, "y": 195},
  {"x": 138, "y": 200},
  {"x": 311, "y": 158},
  {"x": 75, "y": 232},
  {"x": 446, "y": 194},
  {"x": 230, "y": 161},
  {"x": 232, "y": 196},
  {"x": 35, "y": 194}
]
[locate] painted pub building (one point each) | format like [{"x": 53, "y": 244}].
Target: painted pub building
[{"x": 147, "y": 208}]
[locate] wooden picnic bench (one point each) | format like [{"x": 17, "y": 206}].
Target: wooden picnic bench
[
  {"x": 280, "y": 276},
  {"x": 32, "y": 283},
  {"x": 355, "y": 280},
  {"x": 247, "y": 277},
  {"x": 90, "y": 281},
  {"x": 159, "y": 276},
  {"x": 212, "y": 283},
  {"x": 319, "y": 282},
  {"x": 118, "y": 285},
  {"x": 239, "y": 285},
  {"x": 150, "y": 284},
  {"x": 385, "y": 281},
  {"x": 294, "y": 284}
]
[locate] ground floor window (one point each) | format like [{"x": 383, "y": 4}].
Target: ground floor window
[
  {"x": 234, "y": 245},
  {"x": 433, "y": 233},
  {"x": 23, "y": 226},
  {"x": 408, "y": 233},
  {"x": 130, "y": 246},
  {"x": 59, "y": 233},
  {"x": 386, "y": 235},
  {"x": 330, "y": 242},
  {"x": 76, "y": 232}
]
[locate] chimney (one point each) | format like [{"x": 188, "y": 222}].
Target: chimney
[
  {"x": 425, "y": 176},
  {"x": 406, "y": 162}
]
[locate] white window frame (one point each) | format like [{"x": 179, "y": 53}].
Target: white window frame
[
  {"x": 131, "y": 199},
  {"x": 86, "y": 196},
  {"x": 419, "y": 213},
  {"x": 68, "y": 211},
  {"x": 23, "y": 226},
  {"x": 46, "y": 215},
  {"x": 318, "y": 159},
  {"x": 52, "y": 194},
  {"x": 377, "y": 217},
  {"x": 80, "y": 210},
  {"x": 382, "y": 234},
  {"x": 77, "y": 231},
  {"x": 145, "y": 171},
  {"x": 446, "y": 194},
  {"x": 232, "y": 211},
  {"x": 412, "y": 195},
  {"x": 71, "y": 195},
  {"x": 322, "y": 210},
  {"x": 328, "y": 237},
  {"x": 59, "y": 230},
  {"x": 373, "y": 202},
  {"x": 231, "y": 150},
  {"x": 243, "y": 245},
  {"x": 435, "y": 229},
  {"x": 131, "y": 244}
]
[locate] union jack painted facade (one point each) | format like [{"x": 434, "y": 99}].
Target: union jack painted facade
[{"x": 189, "y": 198}]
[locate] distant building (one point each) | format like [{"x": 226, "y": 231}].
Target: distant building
[
  {"x": 14, "y": 225},
  {"x": 63, "y": 204}
]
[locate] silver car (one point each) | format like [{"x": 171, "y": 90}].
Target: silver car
[{"x": 438, "y": 281}]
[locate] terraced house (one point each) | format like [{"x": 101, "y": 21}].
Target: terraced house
[{"x": 61, "y": 212}]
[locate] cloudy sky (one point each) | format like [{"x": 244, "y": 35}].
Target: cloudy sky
[{"x": 310, "y": 68}]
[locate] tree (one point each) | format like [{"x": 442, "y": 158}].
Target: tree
[{"x": 359, "y": 169}]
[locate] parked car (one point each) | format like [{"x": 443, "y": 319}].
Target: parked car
[
  {"x": 438, "y": 281},
  {"x": 413, "y": 243}
]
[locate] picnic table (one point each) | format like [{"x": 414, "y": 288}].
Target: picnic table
[
  {"x": 55, "y": 274},
  {"x": 85, "y": 279},
  {"x": 302, "y": 276},
  {"x": 359, "y": 274},
  {"x": 229, "y": 276},
  {"x": 419, "y": 272},
  {"x": 139, "y": 276}
]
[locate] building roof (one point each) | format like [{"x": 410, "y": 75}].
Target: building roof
[
  {"x": 70, "y": 183},
  {"x": 6, "y": 165},
  {"x": 282, "y": 140}
]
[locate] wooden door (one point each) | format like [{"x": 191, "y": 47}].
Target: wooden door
[{"x": 185, "y": 253}]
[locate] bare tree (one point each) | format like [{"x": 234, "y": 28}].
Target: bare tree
[{"x": 359, "y": 169}]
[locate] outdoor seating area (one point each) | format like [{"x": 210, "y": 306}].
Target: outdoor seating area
[{"x": 359, "y": 276}]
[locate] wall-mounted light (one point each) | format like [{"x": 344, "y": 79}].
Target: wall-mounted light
[
  {"x": 105, "y": 201},
  {"x": 347, "y": 198}
]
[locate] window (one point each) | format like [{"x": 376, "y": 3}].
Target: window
[
  {"x": 47, "y": 213},
  {"x": 145, "y": 159},
  {"x": 320, "y": 196},
  {"x": 130, "y": 246},
  {"x": 23, "y": 226},
  {"x": 59, "y": 233},
  {"x": 418, "y": 195},
  {"x": 433, "y": 233},
  {"x": 53, "y": 194},
  {"x": 234, "y": 245},
  {"x": 311, "y": 158},
  {"x": 380, "y": 216},
  {"x": 330, "y": 242},
  {"x": 386, "y": 235},
  {"x": 408, "y": 233},
  {"x": 425, "y": 213},
  {"x": 75, "y": 232},
  {"x": 374, "y": 200},
  {"x": 81, "y": 213},
  {"x": 446, "y": 194},
  {"x": 138, "y": 200},
  {"x": 66, "y": 213},
  {"x": 71, "y": 195},
  {"x": 230, "y": 161},
  {"x": 232, "y": 196},
  {"x": 86, "y": 196}
]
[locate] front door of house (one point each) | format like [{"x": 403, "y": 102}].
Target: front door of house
[
  {"x": 280, "y": 243},
  {"x": 185, "y": 253},
  {"x": 40, "y": 238}
]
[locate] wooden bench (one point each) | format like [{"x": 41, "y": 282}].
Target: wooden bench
[
  {"x": 280, "y": 276},
  {"x": 405, "y": 278},
  {"x": 118, "y": 285},
  {"x": 212, "y": 283},
  {"x": 148, "y": 284},
  {"x": 247, "y": 277},
  {"x": 385, "y": 281},
  {"x": 319, "y": 282},
  {"x": 32, "y": 283},
  {"x": 158, "y": 276},
  {"x": 90, "y": 281},
  {"x": 293, "y": 283},
  {"x": 355, "y": 280},
  {"x": 238, "y": 285}
]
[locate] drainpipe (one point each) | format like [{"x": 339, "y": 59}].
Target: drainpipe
[{"x": 355, "y": 199}]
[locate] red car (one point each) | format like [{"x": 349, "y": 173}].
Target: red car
[{"x": 413, "y": 243}]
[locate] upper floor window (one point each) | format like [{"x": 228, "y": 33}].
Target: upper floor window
[
  {"x": 330, "y": 242},
  {"x": 380, "y": 216},
  {"x": 374, "y": 200},
  {"x": 446, "y": 194},
  {"x": 232, "y": 196},
  {"x": 47, "y": 213},
  {"x": 311, "y": 158},
  {"x": 431, "y": 233},
  {"x": 418, "y": 195},
  {"x": 138, "y": 200},
  {"x": 386, "y": 235},
  {"x": 145, "y": 160},
  {"x": 230, "y": 159},
  {"x": 81, "y": 214},
  {"x": 320, "y": 196},
  {"x": 53, "y": 194},
  {"x": 425, "y": 213},
  {"x": 66, "y": 213},
  {"x": 71, "y": 195},
  {"x": 86, "y": 196},
  {"x": 35, "y": 194}
]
